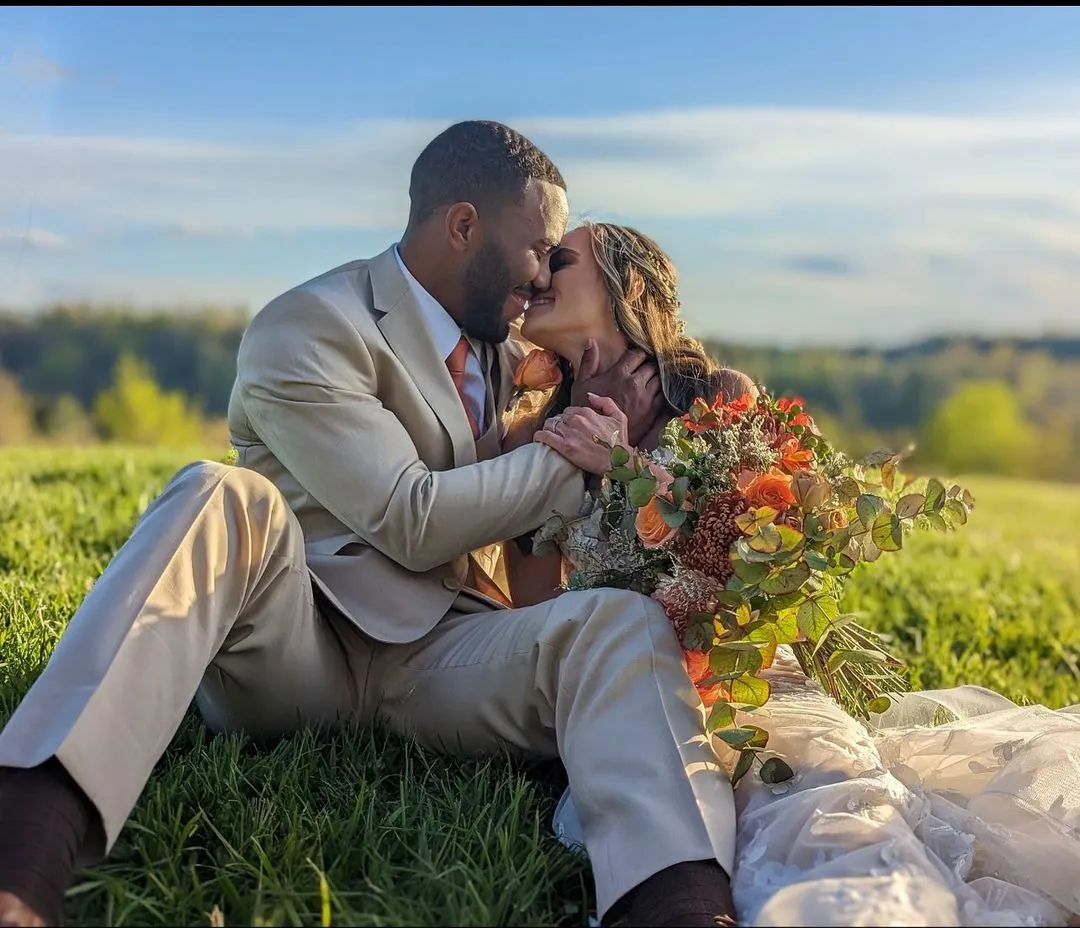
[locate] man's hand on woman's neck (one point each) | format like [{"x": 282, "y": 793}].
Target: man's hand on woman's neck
[
  {"x": 631, "y": 379},
  {"x": 609, "y": 351}
]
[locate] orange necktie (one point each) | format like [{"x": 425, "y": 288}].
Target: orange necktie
[
  {"x": 477, "y": 578},
  {"x": 456, "y": 363}
]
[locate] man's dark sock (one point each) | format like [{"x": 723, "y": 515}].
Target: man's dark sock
[
  {"x": 691, "y": 894},
  {"x": 44, "y": 819}
]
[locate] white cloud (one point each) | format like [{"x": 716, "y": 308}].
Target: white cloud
[
  {"x": 971, "y": 218},
  {"x": 38, "y": 239}
]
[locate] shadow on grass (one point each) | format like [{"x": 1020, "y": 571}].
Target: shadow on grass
[{"x": 350, "y": 826}]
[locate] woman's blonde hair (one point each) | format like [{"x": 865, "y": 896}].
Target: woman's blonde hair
[{"x": 642, "y": 284}]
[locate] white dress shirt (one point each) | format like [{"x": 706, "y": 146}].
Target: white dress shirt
[{"x": 446, "y": 333}]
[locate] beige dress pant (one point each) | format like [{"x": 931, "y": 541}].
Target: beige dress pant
[{"x": 210, "y": 598}]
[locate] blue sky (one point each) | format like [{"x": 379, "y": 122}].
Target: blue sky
[{"x": 819, "y": 175}]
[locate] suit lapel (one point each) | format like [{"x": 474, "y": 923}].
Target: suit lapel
[{"x": 404, "y": 329}]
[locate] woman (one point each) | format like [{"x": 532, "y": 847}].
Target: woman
[
  {"x": 974, "y": 822},
  {"x": 616, "y": 288}
]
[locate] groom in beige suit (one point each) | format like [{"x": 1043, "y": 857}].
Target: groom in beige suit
[{"x": 328, "y": 576}]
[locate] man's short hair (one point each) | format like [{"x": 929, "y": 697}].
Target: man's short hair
[{"x": 480, "y": 162}]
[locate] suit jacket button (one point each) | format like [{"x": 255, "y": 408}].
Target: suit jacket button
[{"x": 452, "y": 583}]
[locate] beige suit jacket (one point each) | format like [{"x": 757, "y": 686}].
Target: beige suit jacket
[{"x": 342, "y": 400}]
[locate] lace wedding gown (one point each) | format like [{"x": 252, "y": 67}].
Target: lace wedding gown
[{"x": 975, "y": 821}]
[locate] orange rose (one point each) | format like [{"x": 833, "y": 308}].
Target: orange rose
[
  {"x": 653, "y": 531},
  {"x": 539, "y": 370},
  {"x": 697, "y": 666},
  {"x": 710, "y": 694},
  {"x": 772, "y": 489},
  {"x": 792, "y": 457}
]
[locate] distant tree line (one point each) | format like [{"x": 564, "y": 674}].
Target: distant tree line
[{"x": 79, "y": 373}]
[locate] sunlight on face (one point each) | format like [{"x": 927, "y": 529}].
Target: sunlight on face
[{"x": 576, "y": 306}]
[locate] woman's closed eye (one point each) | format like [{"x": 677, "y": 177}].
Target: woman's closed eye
[{"x": 560, "y": 258}]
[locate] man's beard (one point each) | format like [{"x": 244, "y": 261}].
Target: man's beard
[{"x": 487, "y": 285}]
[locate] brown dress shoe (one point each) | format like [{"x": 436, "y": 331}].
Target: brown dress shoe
[{"x": 14, "y": 913}]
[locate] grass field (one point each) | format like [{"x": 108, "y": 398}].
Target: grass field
[{"x": 358, "y": 828}]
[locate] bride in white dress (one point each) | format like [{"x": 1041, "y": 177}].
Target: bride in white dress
[
  {"x": 974, "y": 821},
  {"x": 956, "y": 808}
]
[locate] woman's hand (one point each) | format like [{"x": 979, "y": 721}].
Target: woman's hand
[{"x": 585, "y": 435}]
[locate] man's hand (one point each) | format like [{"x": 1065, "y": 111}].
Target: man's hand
[
  {"x": 584, "y": 435},
  {"x": 633, "y": 383}
]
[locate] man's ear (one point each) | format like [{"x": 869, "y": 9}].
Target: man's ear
[{"x": 463, "y": 227}]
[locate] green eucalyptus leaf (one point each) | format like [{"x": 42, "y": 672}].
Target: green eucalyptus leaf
[
  {"x": 775, "y": 770},
  {"x": 760, "y": 739},
  {"x": 790, "y": 538},
  {"x": 868, "y": 507},
  {"x": 721, "y": 715},
  {"x": 621, "y": 474},
  {"x": 816, "y": 615},
  {"x": 768, "y": 540},
  {"x": 957, "y": 510},
  {"x": 815, "y": 559},
  {"x": 619, "y": 456},
  {"x": 787, "y": 580},
  {"x": 877, "y": 458},
  {"x": 886, "y": 532},
  {"x": 813, "y": 528},
  {"x": 750, "y": 690},
  {"x": 878, "y": 704},
  {"x": 737, "y": 737},
  {"x": 742, "y": 767},
  {"x": 910, "y": 506},
  {"x": 843, "y": 566},
  {"x": 787, "y": 626},
  {"x": 642, "y": 489},
  {"x": 937, "y": 521},
  {"x": 746, "y": 553},
  {"x": 787, "y": 600},
  {"x": 727, "y": 660},
  {"x": 675, "y": 519},
  {"x": 935, "y": 495},
  {"x": 729, "y": 599}
]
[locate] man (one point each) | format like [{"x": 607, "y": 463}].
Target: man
[{"x": 328, "y": 576}]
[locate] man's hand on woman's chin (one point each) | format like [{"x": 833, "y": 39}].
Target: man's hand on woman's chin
[
  {"x": 584, "y": 435},
  {"x": 632, "y": 382}
]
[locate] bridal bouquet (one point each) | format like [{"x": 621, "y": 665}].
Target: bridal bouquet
[{"x": 743, "y": 525}]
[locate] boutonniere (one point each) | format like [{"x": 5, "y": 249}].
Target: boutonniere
[{"x": 538, "y": 370}]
